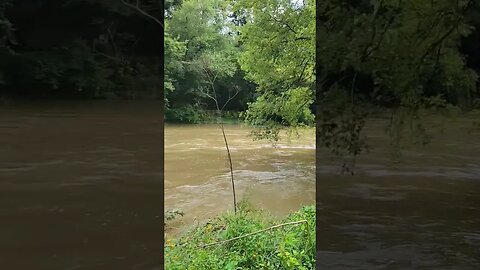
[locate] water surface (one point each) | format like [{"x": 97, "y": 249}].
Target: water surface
[
  {"x": 278, "y": 179},
  {"x": 420, "y": 213},
  {"x": 80, "y": 185}
]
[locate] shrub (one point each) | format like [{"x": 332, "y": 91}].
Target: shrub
[
  {"x": 288, "y": 247},
  {"x": 188, "y": 114}
]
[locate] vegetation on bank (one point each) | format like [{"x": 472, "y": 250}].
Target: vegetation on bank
[
  {"x": 395, "y": 56},
  {"x": 80, "y": 49},
  {"x": 192, "y": 115},
  {"x": 288, "y": 246},
  {"x": 402, "y": 56},
  {"x": 257, "y": 57}
]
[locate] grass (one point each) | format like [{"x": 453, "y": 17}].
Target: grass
[{"x": 289, "y": 247}]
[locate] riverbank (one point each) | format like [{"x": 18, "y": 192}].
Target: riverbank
[
  {"x": 192, "y": 115},
  {"x": 251, "y": 239}
]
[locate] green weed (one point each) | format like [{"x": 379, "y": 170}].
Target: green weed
[{"x": 207, "y": 247}]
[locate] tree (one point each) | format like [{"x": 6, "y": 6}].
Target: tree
[
  {"x": 174, "y": 53},
  {"x": 396, "y": 55},
  {"x": 215, "y": 66},
  {"x": 202, "y": 56},
  {"x": 204, "y": 29},
  {"x": 278, "y": 40},
  {"x": 100, "y": 50}
]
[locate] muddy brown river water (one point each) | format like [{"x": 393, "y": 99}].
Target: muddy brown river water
[
  {"x": 80, "y": 189},
  {"x": 420, "y": 213},
  {"x": 80, "y": 185},
  {"x": 278, "y": 179}
]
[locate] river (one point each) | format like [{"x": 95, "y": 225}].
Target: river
[
  {"x": 80, "y": 185},
  {"x": 420, "y": 213},
  {"x": 279, "y": 179},
  {"x": 80, "y": 189}
]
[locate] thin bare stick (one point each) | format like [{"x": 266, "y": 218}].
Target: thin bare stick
[
  {"x": 219, "y": 111},
  {"x": 231, "y": 169},
  {"x": 137, "y": 8},
  {"x": 212, "y": 77},
  {"x": 253, "y": 233}
]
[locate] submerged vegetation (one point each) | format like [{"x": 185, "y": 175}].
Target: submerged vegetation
[{"x": 250, "y": 239}]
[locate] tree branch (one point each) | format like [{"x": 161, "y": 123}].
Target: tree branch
[
  {"x": 253, "y": 233},
  {"x": 141, "y": 11},
  {"x": 230, "y": 98},
  {"x": 284, "y": 23}
]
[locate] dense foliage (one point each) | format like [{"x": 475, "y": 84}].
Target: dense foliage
[
  {"x": 79, "y": 49},
  {"x": 259, "y": 56},
  {"x": 374, "y": 57},
  {"x": 393, "y": 56},
  {"x": 201, "y": 52},
  {"x": 290, "y": 247},
  {"x": 279, "y": 56}
]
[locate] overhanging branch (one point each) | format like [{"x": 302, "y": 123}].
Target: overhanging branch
[{"x": 141, "y": 11}]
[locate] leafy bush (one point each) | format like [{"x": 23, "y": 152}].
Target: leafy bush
[
  {"x": 193, "y": 114},
  {"x": 288, "y": 247},
  {"x": 187, "y": 114}
]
